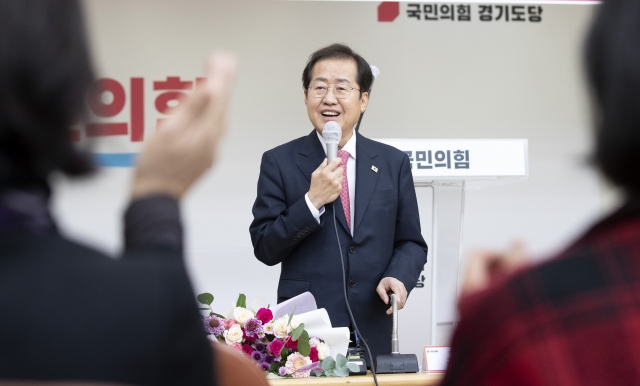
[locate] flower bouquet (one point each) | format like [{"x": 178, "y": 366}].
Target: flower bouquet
[{"x": 280, "y": 346}]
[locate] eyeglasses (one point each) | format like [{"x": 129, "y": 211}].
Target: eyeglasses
[{"x": 341, "y": 91}]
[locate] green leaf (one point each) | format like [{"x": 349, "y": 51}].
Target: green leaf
[
  {"x": 274, "y": 366},
  {"x": 205, "y": 298},
  {"x": 353, "y": 367},
  {"x": 303, "y": 343},
  {"x": 242, "y": 301},
  {"x": 341, "y": 371},
  {"x": 317, "y": 373},
  {"x": 296, "y": 333},
  {"x": 328, "y": 364},
  {"x": 341, "y": 360},
  {"x": 218, "y": 315}
]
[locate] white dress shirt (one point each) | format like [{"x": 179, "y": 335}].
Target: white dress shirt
[{"x": 350, "y": 147}]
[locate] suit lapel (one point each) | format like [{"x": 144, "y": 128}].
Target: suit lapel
[
  {"x": 366, "y": 178},
  {"x": 311, "y": 155}
]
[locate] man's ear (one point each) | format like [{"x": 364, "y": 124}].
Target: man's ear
[
  {"x": 305, "y": 96},
  {"x": 364, "y": 101}
]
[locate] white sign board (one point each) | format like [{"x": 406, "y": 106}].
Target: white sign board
[
  {"x": 465, "y": 159},
  {"x": 436, "y": 358}
]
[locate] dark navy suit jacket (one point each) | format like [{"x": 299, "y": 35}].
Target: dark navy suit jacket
[{"x": 386, "y": 239}]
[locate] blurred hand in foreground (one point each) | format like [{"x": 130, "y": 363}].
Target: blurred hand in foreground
[
  {"x": 485, "y": 267},
  {"x": 185, "y": 146}
]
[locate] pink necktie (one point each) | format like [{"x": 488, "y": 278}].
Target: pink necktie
[{"x": 344, "y": 194}]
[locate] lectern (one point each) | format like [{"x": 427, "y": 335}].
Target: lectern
[{"x": 449, "y": 167}]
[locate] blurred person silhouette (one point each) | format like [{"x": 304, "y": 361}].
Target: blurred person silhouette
[
  {"x": 69, "y": 312},
  {"x": 574, "y": 319}
]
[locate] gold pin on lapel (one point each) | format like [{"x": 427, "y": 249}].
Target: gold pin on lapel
[{"x": 375, "y": 169}]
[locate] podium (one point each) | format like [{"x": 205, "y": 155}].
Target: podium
[{"x": 443, "y": 170}]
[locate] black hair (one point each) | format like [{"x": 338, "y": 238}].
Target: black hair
[
  {"x": 613, "y": 68},
  {"x": 364, "y": 75},
  {"x": 45, "y": 72}
]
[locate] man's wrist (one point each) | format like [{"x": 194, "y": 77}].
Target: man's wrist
[
  {"x": 315, "y": 212},
  {"x": 314, "y": 201}
]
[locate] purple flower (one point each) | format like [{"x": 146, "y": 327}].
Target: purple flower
[
  {"x": 268, "y": 359},
  {"x": 310, "y": 367},
  {"x": 282, "y": 371},
  {"x": 213, "y": 325},
  {"x": 257, "y": 356},
  {"x": 264, "y": 365},
  {"x": 260, "y": 347},
  {"x": 253, "y": 327}
]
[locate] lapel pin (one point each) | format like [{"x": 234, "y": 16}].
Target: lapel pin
[{"x": 375, "y": 169}]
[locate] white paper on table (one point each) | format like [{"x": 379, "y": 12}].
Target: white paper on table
[
  {"x": 336, "y": 338},
  {"x": 300, "y": 304},
  {"x": 318, "y": 324}
]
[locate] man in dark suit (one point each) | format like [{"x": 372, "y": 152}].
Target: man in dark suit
[{"x": 376, "y": 213}]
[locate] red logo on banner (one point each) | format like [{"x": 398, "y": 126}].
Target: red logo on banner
[{"x": 388, "y": 11}]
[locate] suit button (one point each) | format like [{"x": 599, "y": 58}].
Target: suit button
[
  {"x": 352, "y": 283},
  {"x": 352, "y": 249},
  {"x": 306, "y": 229},
  {"x": 296, "y": 237}
]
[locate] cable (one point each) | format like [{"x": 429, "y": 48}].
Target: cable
[{"x": 346, "y": 300}]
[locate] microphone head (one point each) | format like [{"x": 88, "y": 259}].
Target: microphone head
[
  {"x": 376, "y": 71},
  {"x": 332, "y": 132}
]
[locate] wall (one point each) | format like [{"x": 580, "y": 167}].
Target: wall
[{"x": 438, "y": 80}]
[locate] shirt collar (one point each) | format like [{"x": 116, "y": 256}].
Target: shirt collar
[{"x": 350, "y": 146}]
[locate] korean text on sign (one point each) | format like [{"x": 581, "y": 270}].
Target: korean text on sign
[
  {"x": 430, "y": 159},
  {"x": 105, "y": 110}
]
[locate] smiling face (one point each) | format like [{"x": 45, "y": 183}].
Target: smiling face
[{"x": 345, "y": 112}]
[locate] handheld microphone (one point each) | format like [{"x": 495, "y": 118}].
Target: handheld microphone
[{"x": 332, "y": 135}]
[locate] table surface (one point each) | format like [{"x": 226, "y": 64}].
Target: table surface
[{"x": 415, "y": 379}]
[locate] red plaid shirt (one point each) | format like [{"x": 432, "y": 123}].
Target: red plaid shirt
[{"x": 573, "y": 320}]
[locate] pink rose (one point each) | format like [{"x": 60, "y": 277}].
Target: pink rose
[
  {"x": 247, "y": 349},
  {"x": 228, "y": 323},
  {"x": 265, "y": 315},
  {"x": 313, "y": 355},
  {"x": 291, "y": 344},
  {"x": 275, "y": 347},
  {"x": 236, "y": 346}
]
